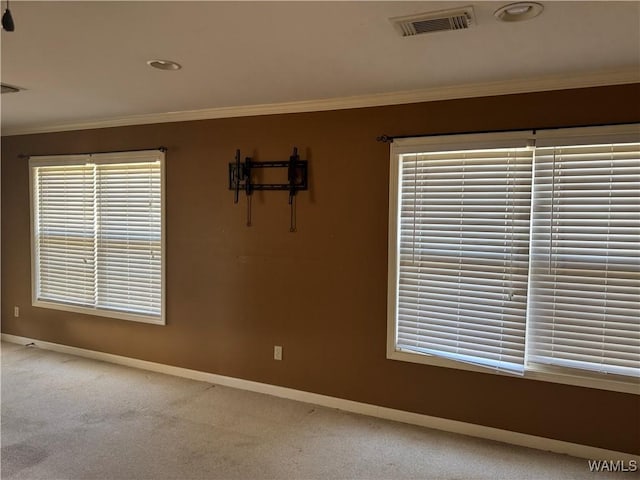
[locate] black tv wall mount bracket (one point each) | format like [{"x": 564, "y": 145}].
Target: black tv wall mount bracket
[{"x": 240, "y": 179}]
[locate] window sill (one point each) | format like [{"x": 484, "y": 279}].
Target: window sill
[
  {"x": 542, "y": 373},
  {"x": 134, "y": 317}
]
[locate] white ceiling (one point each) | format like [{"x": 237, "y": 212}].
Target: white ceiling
[{"x": 86, "y": 61}]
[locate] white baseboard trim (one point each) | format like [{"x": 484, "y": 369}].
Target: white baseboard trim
[{"x": 453, "y": 426}]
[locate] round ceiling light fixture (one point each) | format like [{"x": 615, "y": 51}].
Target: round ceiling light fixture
[
  {"x": 164, "y": 64},
  {"x": 516, "y": 12}
]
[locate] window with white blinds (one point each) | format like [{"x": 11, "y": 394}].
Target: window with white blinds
[
  {"x": 98, "y": 234},
  {"x": 463, "y": 254},
  {"x": 518, "y": 258},
  {"x": 585, "y": 295}
]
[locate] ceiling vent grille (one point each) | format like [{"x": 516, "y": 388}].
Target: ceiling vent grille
[{"x": 459, "y": 19}]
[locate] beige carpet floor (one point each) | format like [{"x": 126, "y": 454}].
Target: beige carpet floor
[{"x": 65, "y": 417}]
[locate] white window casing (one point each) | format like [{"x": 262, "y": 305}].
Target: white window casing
[{"x": 98, "y": 234}]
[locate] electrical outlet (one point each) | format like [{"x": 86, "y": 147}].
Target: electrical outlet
[
  {"x": 16, "y": 311},
  {"x": 277, "y": 352}
]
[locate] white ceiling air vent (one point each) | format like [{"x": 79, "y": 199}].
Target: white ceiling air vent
[{"x": 458, "y": 19}]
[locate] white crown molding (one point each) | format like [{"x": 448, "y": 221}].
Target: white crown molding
[
  {"x": 454, "y": 426},
  {"x": 540, "y": 84}
]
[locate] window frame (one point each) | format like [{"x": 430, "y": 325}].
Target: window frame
[
  {"x": 102, "y": 158},
  {"x": 488, "y": 140}
]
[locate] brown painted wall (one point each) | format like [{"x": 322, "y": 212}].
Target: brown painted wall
[{"x": 233, "y": 292}]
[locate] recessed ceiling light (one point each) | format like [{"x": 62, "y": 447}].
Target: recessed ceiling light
[
  {"x": 164, "y": 64},
  {"x": 516, "y": 12}
]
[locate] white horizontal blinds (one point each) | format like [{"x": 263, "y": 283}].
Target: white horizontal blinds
[
  {"x": 129, "y": 237},
  {"x": 585, "y": 283},
  {"x": 64, "y": 233},
  {"x": 98, "y": 234},
  {"x": 463, "y": 255}
]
